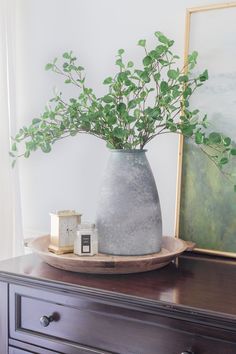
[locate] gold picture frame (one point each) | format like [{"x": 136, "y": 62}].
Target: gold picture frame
[{"x": 189, "y": 13}]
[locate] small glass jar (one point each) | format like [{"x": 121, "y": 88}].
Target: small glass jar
[{"x": 86, "y": 241}]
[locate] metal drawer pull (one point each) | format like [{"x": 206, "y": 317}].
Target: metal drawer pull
[
  {"x": 188, "y": 352},
  {"x": 45, "y": 320}
]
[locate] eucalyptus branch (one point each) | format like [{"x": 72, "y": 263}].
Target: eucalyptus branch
[
  {"x": 57, "y": 70},
  {"x": 219, "y": 167},
  {"x": 140, "y": 104}
]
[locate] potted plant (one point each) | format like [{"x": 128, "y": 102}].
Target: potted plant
[{"x": 140, "y": 104}]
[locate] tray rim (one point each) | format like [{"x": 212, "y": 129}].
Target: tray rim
[{"x": 109, "y": 264}]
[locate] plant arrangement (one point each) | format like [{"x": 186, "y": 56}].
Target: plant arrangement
[{"x": 140, "y": 104}]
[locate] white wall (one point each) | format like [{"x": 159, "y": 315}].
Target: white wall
[{"x": 69, "y": 177}]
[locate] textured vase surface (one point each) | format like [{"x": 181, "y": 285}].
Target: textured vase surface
[{"x": 128, "y": 214}]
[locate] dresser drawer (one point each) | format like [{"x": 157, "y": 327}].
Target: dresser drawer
[
  {"x": 78, "y": 322},
  {"x": 13, "y": 350},
  {"x": 29, "y": 349}
]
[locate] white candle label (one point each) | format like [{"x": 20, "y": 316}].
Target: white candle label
[{"x": 85, "y": 243}]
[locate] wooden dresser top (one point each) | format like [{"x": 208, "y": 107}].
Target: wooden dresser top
[{"x": 198, "y": 283}]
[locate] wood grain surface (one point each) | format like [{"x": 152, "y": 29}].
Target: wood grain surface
[
  {"x": 110, "y": 264},
  {"x": 202, "y": 282},
  {"x": 187, "y": 305}
]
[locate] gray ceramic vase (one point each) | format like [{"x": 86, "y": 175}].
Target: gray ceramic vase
[{"x": 129, "y": 215}]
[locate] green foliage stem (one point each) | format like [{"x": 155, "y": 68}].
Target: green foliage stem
[{"x": 140, "y": 104}]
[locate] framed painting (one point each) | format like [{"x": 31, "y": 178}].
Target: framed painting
[{"x": 206, "y": 201}]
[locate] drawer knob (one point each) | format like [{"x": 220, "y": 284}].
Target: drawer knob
[{"x": 45, "y": 320}]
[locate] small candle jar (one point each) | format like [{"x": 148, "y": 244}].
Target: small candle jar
[{"x": 86, "y": 241}]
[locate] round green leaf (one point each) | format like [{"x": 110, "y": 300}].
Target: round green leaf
[
  {"x": 161, "y": 37},
  {"x": 233, "y": 152},
  {"x": 107, "y": 81},
  {"x": 164, "y": 87},
  {"x": 204, "y": 76},
  {"x": 121, "y": 51},
  {"x": 227, "y": 141},
  {"x": 224, "y": 160},
  {"x": 48, "y": 66},
  {"x": 142, "y": 42},
  {"x": 172, "y": 74},
  {"x": 118, "y": 132},
  {"x": 130, "y": 64},
  {"x": 107, "y": 99},
  {"x": 214, "y": 138},
  {"x": 147, "y": 60},
  {"x": 121, "y": 107},
  {"x": 27, "y": 154}
]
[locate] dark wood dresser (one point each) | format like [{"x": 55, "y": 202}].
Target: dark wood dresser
[{"x": 186, "y": 307}]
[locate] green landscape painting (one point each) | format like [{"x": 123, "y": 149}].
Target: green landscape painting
[
  {"x": 207, "y": 198},
  {"x": 208, "y": 203}
]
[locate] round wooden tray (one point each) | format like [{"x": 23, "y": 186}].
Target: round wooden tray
[{"x": 109, "y": 264}]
